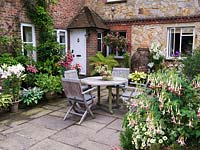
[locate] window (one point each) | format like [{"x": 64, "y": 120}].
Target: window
[
  {"x": 99, "y": 41},
  {"x": 180, "y": 41},
  {"x": 28, "y": 39},
  {"x": 118, "y": 53},
  {"x": 62, "y": 39},
  {"x": 115, "y": 1}
]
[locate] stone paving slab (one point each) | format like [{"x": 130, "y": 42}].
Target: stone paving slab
[
  {"x": 101, "y": 119},
  {"x": 116, "y": 125},
  {"x": 93, "y": 125},
  {"x": 91, "y": 145},
  {"x": 73, "y": 135},
  {"x": 30, "y": 131},
  {"x": 15, "y": 141},
  {"x": 52, "y": 122},
  {"x": 49, "y": 144},
  {"x": 107, "y": 136},
  {"x": 36, "y": 112}
]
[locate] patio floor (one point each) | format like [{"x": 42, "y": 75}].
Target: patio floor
[{"x": 42, "y": 128}]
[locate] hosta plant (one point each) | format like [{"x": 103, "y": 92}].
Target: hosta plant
[
  {"x": 138, "y": 77},
  {"x": 166, "y": 116},
  {"x": 32, "y": 95}
]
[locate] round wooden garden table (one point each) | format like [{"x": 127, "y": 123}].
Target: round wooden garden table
[{"x": 97, "y": 81}]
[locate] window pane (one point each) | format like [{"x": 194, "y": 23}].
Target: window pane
[
  {"x": 99, "y": 45},
  {"x": 62, "y": 37},
  {"x": 99, "y": 35},
  {"x": 186, "y": 47},
  {"x": 27, "y": 34}
]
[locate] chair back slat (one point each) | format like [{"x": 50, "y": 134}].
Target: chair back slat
[
  {"x": 72, "y": 89},
  {"x": 121, "y": 72},
  {"x": 71, "y": 74}
]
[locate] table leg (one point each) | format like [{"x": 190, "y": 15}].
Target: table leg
[
  {"x": 110, "y": 99},
  {"x": 117, "y": 95},
  {"x": 98, "y": 94}
]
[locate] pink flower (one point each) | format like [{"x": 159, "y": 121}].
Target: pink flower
[
  {"x": 181, "y": 141},
  {"x": 31, "y": 69}
]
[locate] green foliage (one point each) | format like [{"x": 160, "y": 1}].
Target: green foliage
[
  {"x": 99, "y": 59},
  {"x": 49, "y": 83},
  {"x": 127, "y": 60},
  {"x": 32, "y": 95},
  {"x": 49, "y": 51},
  {"x": 191, "y": 65},
  {"x": 138, "y": 77},
  {"x": 5, "y": 101},
  {"x": 166, "y": 116},
  {"x": 7, "y": 58}
]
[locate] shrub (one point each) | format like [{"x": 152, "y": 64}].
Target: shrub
[
  {"x": 5, "y": 101},
  {"x": 165, "y": 116},
  {"x": 191, "y": 65},
  {"x": 49, "y": 83},
  {"x": 32, "y": 95}
]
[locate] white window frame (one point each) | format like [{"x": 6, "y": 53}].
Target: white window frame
[
  {"x": 169, "y": 30},
  {"x": 58, "y": 38},
  {"x": 101, "y": 39},
  {"x": 33, "y": 38}
]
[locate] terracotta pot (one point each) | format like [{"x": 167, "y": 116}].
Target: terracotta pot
[{"x": 14, "y": 107}]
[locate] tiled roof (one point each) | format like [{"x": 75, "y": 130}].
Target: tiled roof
[
  {"x": 158, "y": 20},
  {"x": 87, "y": 18}
]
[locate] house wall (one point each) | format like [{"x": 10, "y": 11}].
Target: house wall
[
  {"x": 144, "y": 35},
  {"x": 64, "y": 11},
  {"x": 144, "y": 8},
  {"x": 12, "y": 14}
]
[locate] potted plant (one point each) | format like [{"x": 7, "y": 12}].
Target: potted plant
[
  {"x": 51, "y": 85},
  {"x": 31, "y": 95},
  {"x": 12, "y": 79},
  {"x": 104, "y": 72}
]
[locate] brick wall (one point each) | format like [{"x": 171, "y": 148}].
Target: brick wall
[
  {"x": 91, "y": 47},
  {"x": 64, "y": 11}
]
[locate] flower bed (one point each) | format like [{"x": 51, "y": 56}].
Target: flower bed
[{"x": 166, "y": 116}]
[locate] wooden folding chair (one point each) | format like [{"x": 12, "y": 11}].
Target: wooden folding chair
[{"x": 81, "y": 102}]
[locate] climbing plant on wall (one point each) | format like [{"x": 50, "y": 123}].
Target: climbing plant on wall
[{"x": 48, "y": 49}]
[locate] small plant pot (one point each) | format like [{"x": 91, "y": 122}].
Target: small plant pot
[
  {"x": 50, "y": 96},
  {"x": 14, "y": 107}
]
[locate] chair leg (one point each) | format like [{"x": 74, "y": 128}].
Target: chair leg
[
  {"x": 68, "y": 112},
  {"x": 91, "y": 113},
  {"x": 83, "y": 117}
]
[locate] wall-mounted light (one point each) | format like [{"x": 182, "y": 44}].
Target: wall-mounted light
[{"x": 113, "y": 8}]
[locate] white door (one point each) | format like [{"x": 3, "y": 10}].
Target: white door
[{"x": 78, "y": 48}]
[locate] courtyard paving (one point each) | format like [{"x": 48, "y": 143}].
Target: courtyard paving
[{"x": 42, "y": 128}]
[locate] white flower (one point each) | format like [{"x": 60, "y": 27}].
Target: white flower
[
  {"x": 138, "y": 137},
  {"x": 152, "y": 141},
  {"x": 143, "y": 129},
  {"x": 143, "y": 144},
  {"x": 160, "y": 141},
  {"x": 165, "y": 138},
  {"x": 150, "y": 65}
]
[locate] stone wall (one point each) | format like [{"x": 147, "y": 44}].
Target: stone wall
[
  {"x": 144, "y": 35},
  {"x": 144, "y": 8}
]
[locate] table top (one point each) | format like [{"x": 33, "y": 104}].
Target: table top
[{"x": 97, "y": 81}]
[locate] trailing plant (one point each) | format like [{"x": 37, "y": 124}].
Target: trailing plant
[
  {"x": 191, "y": 66},
  {"x": 99, "y": 59},
  {"x": 5, "y": 101},
  {"x": 49, "y": 83},
  {"x": 165, "y": 116},
  {"x": 31, "y": 95}
]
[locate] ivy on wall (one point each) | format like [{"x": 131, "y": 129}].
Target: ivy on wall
[{"x": 48, "y": 50}]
